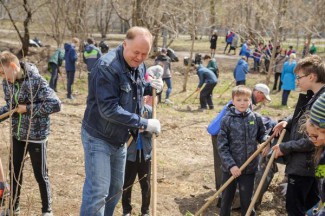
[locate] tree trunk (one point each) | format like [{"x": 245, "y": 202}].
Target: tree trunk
[
  {"x": 282, "y": 10},
  {"x": 192, "y": 48},
  {"x": 212, "y": 15}
]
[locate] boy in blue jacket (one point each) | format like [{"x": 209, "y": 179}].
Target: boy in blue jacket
[
  {"x": 241, "y": 70},
  {"x": 71, "y": 58},
  {"x": 241, "y": 131},
  {"x": 210, "y": 79},
  {"x": 27, "y": 91}
]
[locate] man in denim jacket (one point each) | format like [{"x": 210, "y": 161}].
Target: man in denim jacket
[{"x": 114, "y": 108}]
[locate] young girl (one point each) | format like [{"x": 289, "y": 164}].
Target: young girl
[{"x": 315, "y": 128}]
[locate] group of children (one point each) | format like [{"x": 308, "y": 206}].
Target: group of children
[{"x": 242, "y": 130}]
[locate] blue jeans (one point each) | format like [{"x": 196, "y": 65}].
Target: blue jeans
[
  {"x": 168, "y": 82},
  {"x": 104, "y": 168}
]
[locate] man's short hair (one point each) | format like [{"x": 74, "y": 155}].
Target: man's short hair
[
  {"x": 241, "y": 90},
  {"x": 137, "y": 30},
  {"x": 90, "y": 41},
  {"x": 312, "y": 64}
]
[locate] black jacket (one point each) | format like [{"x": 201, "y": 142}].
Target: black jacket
[
  {"x": 299, "y": 150},
  {"x": 238, "y": 139}
]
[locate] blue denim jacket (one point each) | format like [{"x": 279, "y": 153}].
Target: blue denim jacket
[{"x": 115, "y": 99}]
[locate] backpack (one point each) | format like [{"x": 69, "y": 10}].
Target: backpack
[{"x": 214, "y": 126}]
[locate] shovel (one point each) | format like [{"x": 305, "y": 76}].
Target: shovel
[{"x": 5, "y": 115}]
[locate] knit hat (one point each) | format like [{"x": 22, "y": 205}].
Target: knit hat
[{"x": 317, "y": 113}]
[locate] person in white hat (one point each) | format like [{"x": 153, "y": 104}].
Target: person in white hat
[{"x": 261, "y": 94}]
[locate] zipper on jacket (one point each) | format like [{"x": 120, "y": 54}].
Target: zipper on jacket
[{"x": 20, "y": 115}]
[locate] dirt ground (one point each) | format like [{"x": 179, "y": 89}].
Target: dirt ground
[{"x": 184, "y": 154}]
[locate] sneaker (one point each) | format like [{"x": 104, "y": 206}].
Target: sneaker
[
  {"x": 127, "y": 214},
  {"x": 145, "y": 215},
  {"x": 6, "y": 212},
  {"x": 47, "y": 214},
  {"x": 167, "y": 101},
  {"x": 70, "y": 97}
]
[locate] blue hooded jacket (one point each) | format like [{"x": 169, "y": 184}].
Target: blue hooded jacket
[
  {"x": 71, "y": 57},
  {"x": 241, "y": 70},
  {"x": 91, "y": 55},
  {"x": 205, "y": 76}
]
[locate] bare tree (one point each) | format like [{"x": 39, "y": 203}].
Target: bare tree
[
  {"x": 54, "y": 13},
  {"x": 75, "y": 13},
  {"x": 282, "y": 7},
  {"x": 103, "y": 16},
  {"x": 27, "y": 8}
]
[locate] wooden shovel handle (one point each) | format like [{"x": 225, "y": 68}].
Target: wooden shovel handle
[{"x": 5, "y": 115}]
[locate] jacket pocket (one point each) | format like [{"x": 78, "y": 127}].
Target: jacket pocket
[{"x": 126, "y": 93}]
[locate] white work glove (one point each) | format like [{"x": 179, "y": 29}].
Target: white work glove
[
  {"x": 158, "y": 84},
  {"x": 153, "y": 126},
  {"x": 284, "y": 188},
  {"x": 155, "y": 72}
]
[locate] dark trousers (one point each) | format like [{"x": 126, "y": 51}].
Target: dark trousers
[
  {"x": 277, "y": 76},
  {"x": 246, "y": 185},
  {"x": 256, "y": 64},
  {"x": 37, "y": 153},
  {"x": 54, "y": 76},
  {"x": 267, "y": 65},
  {"x": 217, "y": 162},
  {"x": 228, "y": 44},
  {"x": 242, "y": 82},
  {"x": 232, "y": 48},
  {"x": 70, "y": 80},
  {"x": 206, "y": 96},
  {"x": 141, "y": 168},
  {"x": 285, "y": 96},
  {"x": 302, "y": 194}
]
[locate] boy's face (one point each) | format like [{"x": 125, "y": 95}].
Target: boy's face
[
  {"x": 316, "y": 134},
  {"x": 241, "y": 102},
  {"x": 8, "y": 72},
  {"x": 304, "y": 81}
]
